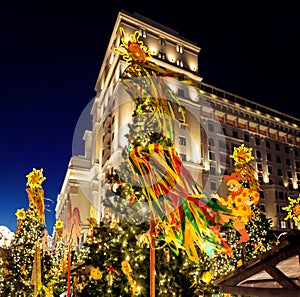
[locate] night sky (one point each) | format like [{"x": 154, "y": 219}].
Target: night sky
[{"x": 51, "y": 53}]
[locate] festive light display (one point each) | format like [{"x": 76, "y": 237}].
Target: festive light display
[
  {"x": 183, "y": 214},
  {"x": 293, "y": 210},
  {"x": 30, "y": 267}
]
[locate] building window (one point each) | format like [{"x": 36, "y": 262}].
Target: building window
[
  {"x": 270, "y": 171},
  {"x": 235, "y": 134},
  {"x": 211, "y": 141},
  {"x": 211, "y": 127},
  {"x": 282, "y": 224},
  {"x": 161, "y": 55},
  {"x": 183, "y": 127},
  {"x": 269, "y": 158},
  {"x": 288, "y": 162},
  {"x": 259, "y": 167},
  {"x": 162, "y": 41},
  {"x": 297, "y": 164},
  {"x": 222, "y": 145},
  {"x": 279, "y": 172},
  {"x": 268, "y": 144},
  {"x": 182, "y": 140},
  {"x": 180, "y": 93},
  {"x": 287, "y": 149},
  {"x": 179, "y": 48},
  {"x": 179, "y": 63},
  {"x": 143, "y": 33},
  {"x": 296, "y": 152},
  {"x": 212, "y": 170},
  {"x": 277, "y": 147},
  {"x": 183, "y": 157},
  {"x": 289, "y": 174},
  {"x": 246, "y": 138},
  {"x": 224, "y": 131},
  {"x": 258, "y": 154},
  {"x": 213, "y": 186},
  {"x": 257, "y": 141},
  {"x": 278, "y": 159},
  {"x": 212, "y": 156}
]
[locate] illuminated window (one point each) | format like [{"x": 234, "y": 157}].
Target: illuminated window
[
  {"x": 162, "y": 55},
  {"x": 179, "y": 63},
  {"x": 283, "y": 224},
  {"x": 143, "y": 33},
  {"x": 179, "y": 49}
]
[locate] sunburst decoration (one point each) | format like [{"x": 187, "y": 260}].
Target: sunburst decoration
[
  {"x": 242, "y": 155},
  {"x": 293, "y": 209},
  {"x": 21, "y": 214},
  {"x": 35, "y": 178},
  {"x": 59, "y": 224},
  {"x": 132, "y": 49}
]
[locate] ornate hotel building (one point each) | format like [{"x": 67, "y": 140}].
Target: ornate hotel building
[{"x": 217, "y": 122}]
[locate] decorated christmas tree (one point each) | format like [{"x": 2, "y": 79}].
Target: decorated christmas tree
[
  {"x": 29, "y": 269},
  {"x": 248, "y": 230},
  {"x": 164, "y": 231}
]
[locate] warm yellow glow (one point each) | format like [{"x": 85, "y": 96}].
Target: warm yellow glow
[
  {"x": 59, "y": 224},
  {"x": 293, "y": 210},
  {"x": 35, "y": 178},
  {"x": 171, "y": 58},
  {"x": 131, "y": 48},
  {"x": 242, "y": 155},
  {"x": 21, "y": 214}
]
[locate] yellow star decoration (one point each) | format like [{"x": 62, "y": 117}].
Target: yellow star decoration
[
  {"x": 293, "y": 209},
  {"x": 35, "y": 178},
  {"x": 21, "y": 214},
  {"x": 242, "y": 155},
  {"x": 59, "y": 224},
  {"x": 131, "y": 48}
]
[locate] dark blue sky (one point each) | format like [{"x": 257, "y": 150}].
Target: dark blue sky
[{"x": 51, "y": 53}]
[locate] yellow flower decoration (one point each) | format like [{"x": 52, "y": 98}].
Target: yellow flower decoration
[
  {"x": 242, "y": 155},
  {"x": 59, "y": 224},
  {"x": 21, "y": 214},
  {"x": 293, "y": 209},
  {"x": 131, "y": 48},
  {"x": 35, "y": 178},
  {"x": 96, "y": 274}
]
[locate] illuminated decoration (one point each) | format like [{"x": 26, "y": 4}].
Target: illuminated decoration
[
  {"x": 127, "y": 271},
  {"x": 21, "y": 214},
  {"x": 293, "y": 210},
  {"x": 96, "y": 274},
  {"x": 30, "y": 270},
  {"x": 183, "y": 214},
  {"x": 243, "y": 191},
  {"x": 35, "y": 192},
  {"x": 132, "y": 49},
  {"x": 206, "y": 276},
  {"x": 59, "y": 224},
  {"x": 35, "y": 178},
  {"x": 242, "y": 155}
]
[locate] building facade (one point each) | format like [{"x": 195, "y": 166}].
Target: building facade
[{"x": 217, "y": 122}]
